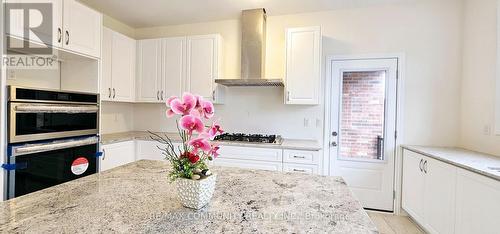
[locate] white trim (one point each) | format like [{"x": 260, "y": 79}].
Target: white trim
[{"x": 399, "y": 115}]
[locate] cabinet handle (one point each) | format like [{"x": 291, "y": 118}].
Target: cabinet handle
[
  {"x": 161, "y": 95},
  {"x": 299, "y": 170},
  {"x": 425, "y": 166},
  {"x": 288, "y": 96},
  {"x": 420, "y": 165},
  {"x": 114, "y": 93},
  {"x": 109, "y": 91},
  {"x": 213, "y": 95},
  {"x": 296, "y": 156},
  {"x": 67, "y": 37},
  {"x": 103, "y": 154},
  {"x": 59, "y": 35},
  {"x": 157, "y": 95}
]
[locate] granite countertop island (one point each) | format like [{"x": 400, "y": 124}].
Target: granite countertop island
[{"x": 136, "y": 198}]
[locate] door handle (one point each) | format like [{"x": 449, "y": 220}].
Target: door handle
[
  {"x": 59, "y": 35},
  {"x": 109, "y": 90},
  {"x": 114, "y": 93},
  {"x": 157, "y": 95},
  {"x": 67, "y": 37},
  {"x": 288, "y": 96},
  {"x": 420, "y": 165},
  {"x": 425, "y": 166},
  {"x": 161, "y": 95},
  {"x": 213, "y": 95},
  {"x": 103, "y": 154}
]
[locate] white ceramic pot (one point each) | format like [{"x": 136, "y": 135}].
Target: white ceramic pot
[{"x": 195, "y": 193}]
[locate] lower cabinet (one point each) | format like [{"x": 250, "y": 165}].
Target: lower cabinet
[
  {"x": 443, "y": 198},
  {"x": 477, "y": 204},
  {"x": 149, "y": 150},
  {"x": 117, "y": 154}
]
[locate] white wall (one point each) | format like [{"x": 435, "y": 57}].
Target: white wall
[
  {"x": 117, "y": 117},
  {"x": 479, "y": 73},
  {"x": 428, "y": 32}
]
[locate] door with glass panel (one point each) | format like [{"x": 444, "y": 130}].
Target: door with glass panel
[{"x": 363, "y": 125}]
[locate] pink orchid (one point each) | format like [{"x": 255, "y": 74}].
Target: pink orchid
[
  {"x": 185, "y": 106},
  {"x": 207, "y": 109},
  {"x": 169, "y": 113},
  {"x": 200, "y": 143},
  {"x": 214, "y": 151},
  {"x": 191, "y": 123},
  {"x": 169, "y": 100},
  {"x": 199, "y": 100},
  {"x": 214, "y": 130}
]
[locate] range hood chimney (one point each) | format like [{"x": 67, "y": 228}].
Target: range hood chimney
[{"x": 253, "y": 52}]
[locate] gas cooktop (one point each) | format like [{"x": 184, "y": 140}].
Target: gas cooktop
[{"x": 251, "y": 138}]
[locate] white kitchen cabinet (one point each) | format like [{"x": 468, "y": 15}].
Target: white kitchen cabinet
[
  {"x": 429, "y": 192},
  {"x": 248, "y": 164},
  {"x": 148, "y": 149},
  {"x": 203, "y": 65},
  {"x": 149, "y": 73},
  {"x": 173, "y": 66},
  {"x": 302, "y": 168},
  {"x": 303, "y": 65},
  {"x": 477, "y": 203},
  {"x": 118, "y": 67},
  {"x": 17, "y": 27},
  {"x": 82, "y": 28},
  {"x": 117, "y": 154}
]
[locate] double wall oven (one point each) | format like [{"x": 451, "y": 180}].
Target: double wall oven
[{"x": 52, "y": 136}]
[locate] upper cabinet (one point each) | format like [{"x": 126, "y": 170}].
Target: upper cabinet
[
  {"x": 303, "y": 65},
  {"x": 118, "y": 67},
  {"x": 169, "y": 66},
  {"x": 149, "y": 77},
  {"x": 82, "y": 28},
  {"x": 75, "y": 27},
  {"x": 203, "y": 61}
]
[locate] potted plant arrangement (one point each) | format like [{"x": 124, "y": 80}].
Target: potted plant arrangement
[{"x": 194, "y": 181}]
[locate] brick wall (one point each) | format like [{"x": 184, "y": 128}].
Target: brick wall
[{"x": 362, "y": 119}]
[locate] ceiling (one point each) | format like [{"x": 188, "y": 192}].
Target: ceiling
[{"x": 149, "y": 13}]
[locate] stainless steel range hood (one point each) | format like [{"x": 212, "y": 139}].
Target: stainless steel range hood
[{"x": 253, "y": 52}]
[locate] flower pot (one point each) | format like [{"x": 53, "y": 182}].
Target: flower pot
[{"x": 195, "y": 193}]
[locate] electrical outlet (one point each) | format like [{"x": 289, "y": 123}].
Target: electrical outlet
[{"x": 487, "y": 130}]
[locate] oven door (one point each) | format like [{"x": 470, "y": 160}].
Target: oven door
[
  {"x": 39, "y": 166},
  {"x": 35, "y": 121}
]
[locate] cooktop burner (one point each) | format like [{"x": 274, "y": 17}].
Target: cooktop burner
[{"x": 252, "y": 138}]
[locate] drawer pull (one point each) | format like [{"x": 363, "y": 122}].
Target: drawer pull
[
  {"x": 299, "y": 170},
  {"x": 297, "y": 156}
]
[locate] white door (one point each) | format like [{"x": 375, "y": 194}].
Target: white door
[
  {"x": 363, "y": 125},
  {"x": 123, "y": 67},
  {"x": 202, "y": 65},
  {"x": 82, "y": 29},
  {"x": 174, "y": 71},
  {"x": 117, "y": 154},
  {"x": 149, "y": 70}
]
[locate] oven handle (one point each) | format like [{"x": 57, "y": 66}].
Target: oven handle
[
  {"x": 43, "y": 108},
  {"x": 55, "y": 145}
]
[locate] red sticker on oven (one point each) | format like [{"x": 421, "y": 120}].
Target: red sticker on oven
[{"x": 79, "y": 166}]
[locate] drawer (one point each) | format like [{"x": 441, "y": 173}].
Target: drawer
[
  {"x": 248, "y": 164},
  {"x": 251, "y": 153},
  {"x": 302, "y": 168},
  {"x": 301, "y": 156}
]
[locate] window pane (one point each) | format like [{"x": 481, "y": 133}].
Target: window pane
[{"x": 362, "y": 115}]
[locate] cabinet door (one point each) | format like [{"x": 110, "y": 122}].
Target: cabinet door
[
  {"x": 17, "y": 25},
  {"x": 439, "y": 196},
  {"x": 106, "y": 70},
  {"x": 202, "y": 65},
  {"x": 117, "y": 154},
  {"x": 149, "y": 150},
  {"x": 149, "y": 70},
  {"x": 413, "y": 185},
  {"x": 82, "y": 29},
  {"x": 477, "y": 203},
  {"x": 303, "y": 56},
  {"x": 123, "y": 68},
  {"x": 174, "y": 70}
]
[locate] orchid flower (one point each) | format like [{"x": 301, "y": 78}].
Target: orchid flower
[
  {"x": 183, "y": 107},
  {"x": 214, "y": 130},
  {"x": 207, "y": 109},
  {"x": 191, "y": 123},
  {"x": 200, "y": 143}
]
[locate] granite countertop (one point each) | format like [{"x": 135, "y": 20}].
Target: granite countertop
[
  {"x": 136, "y": 198},
  {"x": 484, "y": 164},
  {"x": 292, "y": 144}
]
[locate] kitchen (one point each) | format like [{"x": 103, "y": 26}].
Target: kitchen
[{"x": 271, "y": 70}]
